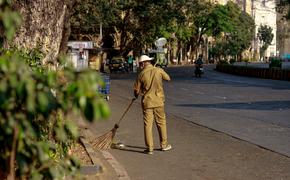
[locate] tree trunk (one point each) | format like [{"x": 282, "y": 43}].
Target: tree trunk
[{"x": 45, "y": 26}]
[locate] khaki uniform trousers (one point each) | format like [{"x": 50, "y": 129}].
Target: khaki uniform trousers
[{"x": 149, "y": 114}]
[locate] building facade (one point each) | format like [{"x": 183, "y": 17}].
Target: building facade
[{"x": 264, "y": 13}]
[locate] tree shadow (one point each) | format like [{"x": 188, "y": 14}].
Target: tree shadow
[
  {"x": 258, "y": 105},
  {"x": 219, "y": 78}
]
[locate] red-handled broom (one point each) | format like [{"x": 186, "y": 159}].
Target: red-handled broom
[{"x": 104, "y": 142}]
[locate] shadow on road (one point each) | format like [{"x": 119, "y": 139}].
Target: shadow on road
[
  {"x": 214, "y": 77},
  {"x": 130, "y": 148},
  {"x": 259, "y": 105},
  {"x": 136, "y": 149}
]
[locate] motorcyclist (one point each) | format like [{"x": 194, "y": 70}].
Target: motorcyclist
[{"x": 198, "y": 66}]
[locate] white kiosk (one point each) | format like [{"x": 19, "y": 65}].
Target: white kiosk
[
  {"x": 79, "y": 53},
  {"x": 159, "y": 54}
]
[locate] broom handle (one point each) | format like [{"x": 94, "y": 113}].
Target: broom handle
[{"x": 125, "y": 112}]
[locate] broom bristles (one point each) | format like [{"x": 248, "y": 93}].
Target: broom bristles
[{"x": 104, "y": 142}]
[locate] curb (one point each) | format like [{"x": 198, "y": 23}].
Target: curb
[
  {"x": 118, "y": 168},
  {"x": 92, "y": 154},
  {"x": 98, "y": 168}
]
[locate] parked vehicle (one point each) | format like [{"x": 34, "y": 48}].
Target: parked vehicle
[{"x": 118, "y": 64}]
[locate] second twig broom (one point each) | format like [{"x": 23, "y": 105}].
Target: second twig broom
[{"x": 105, "y": 141}]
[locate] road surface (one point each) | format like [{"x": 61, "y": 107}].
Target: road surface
[{"x": 221, "y": 126}]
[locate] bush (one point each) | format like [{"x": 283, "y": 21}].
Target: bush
[
  {"x": 35, "y": 103},
  {"x": 275, "y": 62},
  {"x": 35, "y": 106}
]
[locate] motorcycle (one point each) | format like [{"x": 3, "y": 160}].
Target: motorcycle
[{"x": 198, "y": 70}]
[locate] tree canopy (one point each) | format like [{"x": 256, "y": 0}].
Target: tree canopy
[
  {"x": 137, "y": 24},
  {"x": 239, "y": 34},
  {"x": 265, "y": 36}
]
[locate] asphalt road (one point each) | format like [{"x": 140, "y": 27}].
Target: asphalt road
[
  {"x": 252, "y": 109},
  {"x": 221, "y": 127}
]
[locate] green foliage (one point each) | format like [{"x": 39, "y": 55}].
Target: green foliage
[
  {"x": 32, "y": 57},
  {"x": 215, "y": 22},
  {"x": 35, "y": 104},
  {"x": 237, "y": 38},
  {"x": 219, "y": 49},
  {"x": 30, "y": 103},
  {"x": 88, "y": 15},
  {"x": 266, "y": 36},
  {"x": 137, "y": 24},
  {"x": 9, "y": 20},
  {"x": 275, "y": 62}
]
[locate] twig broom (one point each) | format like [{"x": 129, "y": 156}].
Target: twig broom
[{"x": 104, "y": 142}]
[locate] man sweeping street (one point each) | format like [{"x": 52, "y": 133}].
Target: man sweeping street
[{"x": 149, "y": 85}]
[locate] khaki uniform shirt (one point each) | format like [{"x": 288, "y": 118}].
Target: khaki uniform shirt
[{"x": 149, "y": 85}]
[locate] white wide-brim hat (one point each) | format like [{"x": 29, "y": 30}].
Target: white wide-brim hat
[{"x": 145, "y": 58}]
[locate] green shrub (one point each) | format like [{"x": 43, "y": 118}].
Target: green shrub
[
  {"x": 35, "y": 103},
  {"x": 275, "y": 62},
  {"x": 33, "y": 119}
]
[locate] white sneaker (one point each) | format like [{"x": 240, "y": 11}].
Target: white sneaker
[{"x": 167, "y": 148}]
